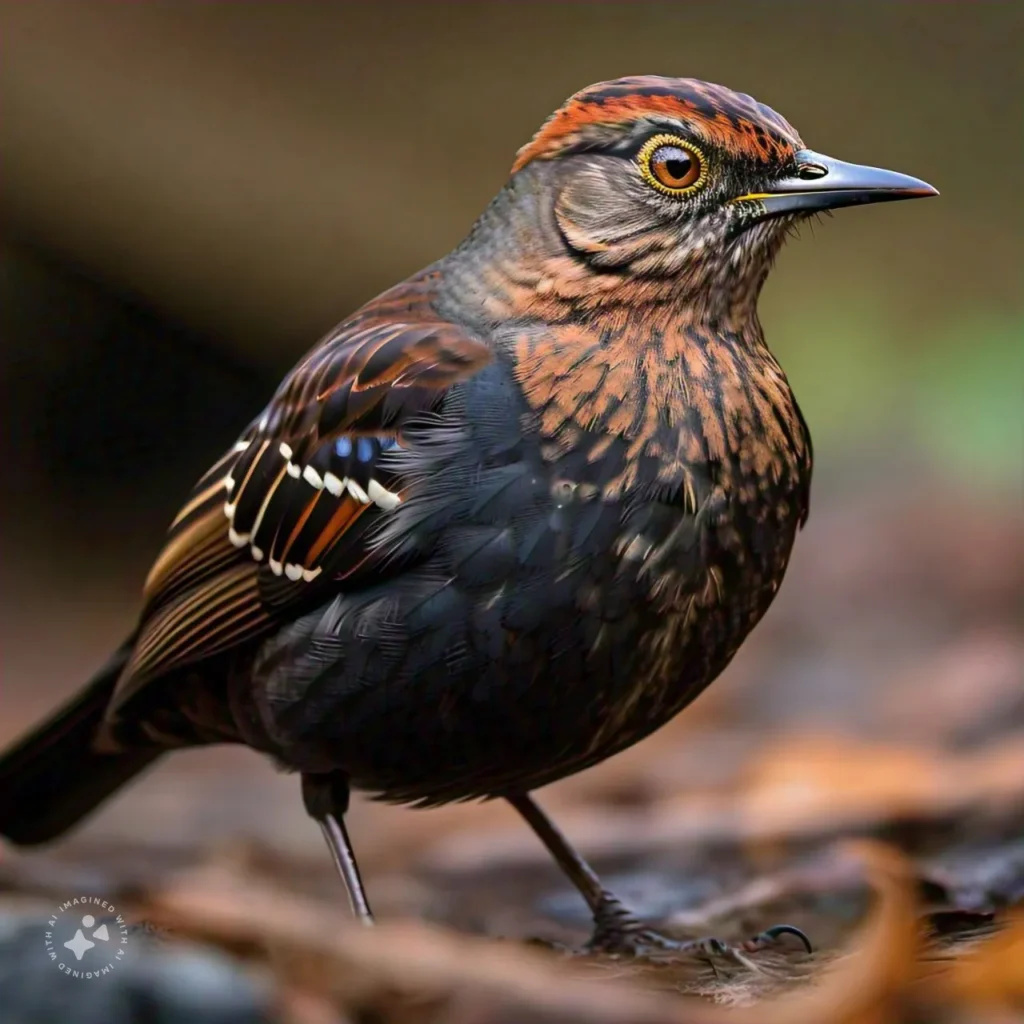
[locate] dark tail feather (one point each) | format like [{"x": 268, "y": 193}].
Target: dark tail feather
[{"x": 53, "y": 777}]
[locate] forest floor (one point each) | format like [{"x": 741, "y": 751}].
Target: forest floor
[{"x": 859, "y": 773}]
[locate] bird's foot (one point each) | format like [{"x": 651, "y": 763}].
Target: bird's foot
[{"x": 618, "y": 932}]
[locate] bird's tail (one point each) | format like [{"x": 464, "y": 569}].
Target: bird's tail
[{"x": 52, "y": 778}]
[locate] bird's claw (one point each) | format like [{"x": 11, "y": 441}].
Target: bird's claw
[
  {"x": 637, "y": 941},
  {"x": 716, "y": 949},
  {"x": 618, "y": 932},
  {"x": 771, "y": 935}
]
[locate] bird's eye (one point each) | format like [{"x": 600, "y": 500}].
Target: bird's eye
[{"x": 671, "y": 165}]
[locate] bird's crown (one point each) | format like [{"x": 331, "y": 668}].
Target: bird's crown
[{"x": 733, "y": 122}]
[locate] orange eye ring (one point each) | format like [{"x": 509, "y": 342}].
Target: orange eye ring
[{"x": 672, "y": 165}]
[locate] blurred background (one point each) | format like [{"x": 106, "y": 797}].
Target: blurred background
[{"x": 193, "y": 193}]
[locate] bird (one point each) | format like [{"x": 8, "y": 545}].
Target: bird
[{"x": 509, "y": 517}]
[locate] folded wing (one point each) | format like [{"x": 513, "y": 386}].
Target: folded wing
[{"x": 284, "y": 514}]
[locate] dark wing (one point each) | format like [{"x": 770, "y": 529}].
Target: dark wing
[{"x": 286, "y": 511}]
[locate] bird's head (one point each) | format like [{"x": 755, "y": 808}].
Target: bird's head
[{"x": 670, "y": 186}]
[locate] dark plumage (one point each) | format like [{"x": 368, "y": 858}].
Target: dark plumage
[{"x": 508, "y": 518}]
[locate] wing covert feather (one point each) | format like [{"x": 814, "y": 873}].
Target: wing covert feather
[{"x": 286, "y": 510}]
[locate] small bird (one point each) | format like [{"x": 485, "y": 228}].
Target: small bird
[{"x": 509, "y": 517}]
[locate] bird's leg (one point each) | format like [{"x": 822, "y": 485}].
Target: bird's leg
[
  {"x": 610, "y": 916},
  {"x": 326, "y": 800},
  {"x": 616, "y": 929}
]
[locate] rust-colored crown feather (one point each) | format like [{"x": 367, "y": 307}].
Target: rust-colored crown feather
[{"x": 732, "y": 121}]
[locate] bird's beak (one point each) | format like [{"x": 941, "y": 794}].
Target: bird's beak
[{"x": 824, "y": 183}]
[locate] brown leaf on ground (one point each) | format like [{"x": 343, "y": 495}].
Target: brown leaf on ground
[
  {"x": 817, "y": 782},
  {"x": 989, "y": 978},
  {"x": 409, "y": 973}
]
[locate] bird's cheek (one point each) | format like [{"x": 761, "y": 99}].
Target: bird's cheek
[
  {"x": 576, "y": 235},
  {"x": 667, "y": 261},
  {"x": 675, "y": 250},
  {"x": 607, "y": 227}
]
